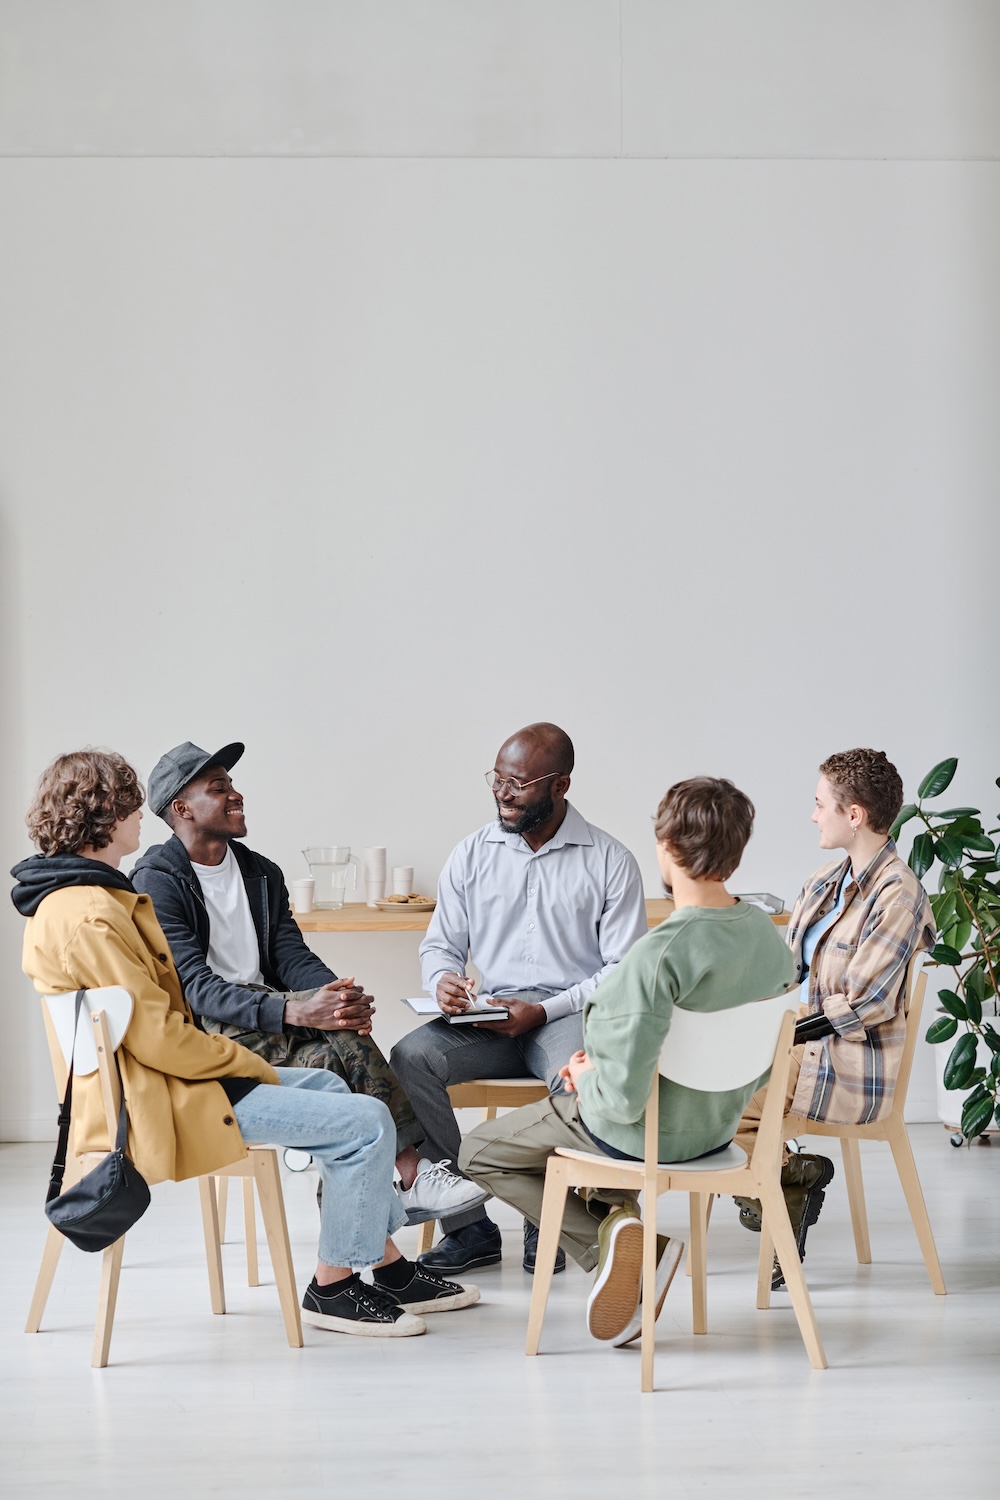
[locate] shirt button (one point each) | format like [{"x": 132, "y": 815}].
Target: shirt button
[
  {"x": 227, "y": 1119},
  {"x": 162, "y": 958},
  {"x": 531, "y": 890},
  {"x": 530, "y": 926}
]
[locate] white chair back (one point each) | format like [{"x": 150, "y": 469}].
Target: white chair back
[
  {"x": 117, "y": 1006},
  {"x": 714, "y": 1051}
]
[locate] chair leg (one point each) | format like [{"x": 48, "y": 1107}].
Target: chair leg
[
  {"x": 765, "y": 1267},
  {"x": 698, "y": 1256},
  {"x": 711, "y": 1197},
  {"x": 425, "y": 1238},
  {"x": 272, "y": 1209},
  {"x": 902, "y": 1155},
  {"x": 213, "y": 1246},
  {"x": 851, "y": 1152},
  {"x": 553, "y": 1208},
  {"x": 111, "y": 1265},
  {"x": 648, "y": 1308},
  {"x": 773, "y": 1204},
  {"x": 54, "y": 1242},
  {"x": 222, "y": 1200},
  {"x": 489, "y": 1113},
  {"x": 250, "y": 1232}
]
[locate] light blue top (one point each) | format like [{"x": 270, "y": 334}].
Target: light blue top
[
  {"x": 556, "y": 921},
  {"x": 812, "y": 935}
]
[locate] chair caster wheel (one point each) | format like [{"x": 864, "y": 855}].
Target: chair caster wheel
[
  {"x": 296, "y": 1161},
  {"x": 957, "y": 1140}
]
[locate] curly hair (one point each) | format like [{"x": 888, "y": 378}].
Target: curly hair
[
  {"x": 706, "y": 823},
  {"x": 79, "y": 799},
  {"x": 869, "y": 779}
]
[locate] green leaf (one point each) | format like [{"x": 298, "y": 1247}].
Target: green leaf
[
  {"x": 943, "y": 1029},
  {"x": 995, "y": 1065},
  {"x": 992, "y": 1039},
  {"x": 961, "y": 1062},
  {"x": 921, "y": 855},
  {"x": 953, "y": 1004},
  {"x": 957, "y": 936},
  {"x": 957, "y": 812},
  {"x": 975, "y": 988},
  {"x": 949, "y": 851},
  {"x": 943, "y": 954},
  {"x": 978, "y": 841},
  {"x": 976, "y": 1117},
  {"x": 905, "y": 814},
  {"x": 938, "y": 778},
  {"x": 943, "y": 906}
]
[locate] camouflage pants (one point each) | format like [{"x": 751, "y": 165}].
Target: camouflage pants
[{"x": 356, "y": 1059}]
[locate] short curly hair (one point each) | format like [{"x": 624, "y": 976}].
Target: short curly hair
[
  {"x": 706, "y": 823},
  {"x": 869, "y": 779},
  {"x": 79, "y": 799}
]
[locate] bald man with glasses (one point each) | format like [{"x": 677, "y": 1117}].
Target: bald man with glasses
[{"x": 545, "y": 905}]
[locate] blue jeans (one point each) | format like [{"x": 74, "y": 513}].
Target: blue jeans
[{"x": 353, "y": 1142}]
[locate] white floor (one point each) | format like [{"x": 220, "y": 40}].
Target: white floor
[{"x": 197, "y": 1405}]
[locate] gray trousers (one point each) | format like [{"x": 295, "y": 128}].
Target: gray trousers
[{"x": 433, "y": 1056}]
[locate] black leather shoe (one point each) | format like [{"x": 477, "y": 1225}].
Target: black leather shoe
[
  {"x": 531, "y": 1250},
  {"x": 465, "y": 1249}
]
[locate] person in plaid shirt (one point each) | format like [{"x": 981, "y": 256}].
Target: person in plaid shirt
[{"x": 853, "y": 930}]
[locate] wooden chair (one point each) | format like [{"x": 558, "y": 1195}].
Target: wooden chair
[
  {"x": 489, "y": 1095},
  {"x": 891, "y": 1129},
  {"x": 92, "y": 1047},
  {"x": 708, "y": 1051}
]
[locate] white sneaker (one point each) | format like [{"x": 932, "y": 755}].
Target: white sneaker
[
  {"x": 668, "y": 1260},
  {"x": 438, "y": 1193}
]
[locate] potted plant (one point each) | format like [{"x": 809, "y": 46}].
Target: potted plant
[{"x": 967, "y": 913}]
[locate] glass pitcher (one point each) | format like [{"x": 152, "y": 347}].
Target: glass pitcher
[{"x": 335, "y": 871}]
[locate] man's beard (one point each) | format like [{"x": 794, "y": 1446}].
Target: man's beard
[{"x": 531, "y": 817}]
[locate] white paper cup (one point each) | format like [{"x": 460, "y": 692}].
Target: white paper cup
[
  {"x": 303, "y": 892},
  {"x": 374, "y": 890},
  {"x": 374, "y": 863},
  {"x": 402, "y": 880}
]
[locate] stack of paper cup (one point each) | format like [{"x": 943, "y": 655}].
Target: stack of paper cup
[
  {"x": 402, "y": 880},
  {"x": 374, "y": 875}
]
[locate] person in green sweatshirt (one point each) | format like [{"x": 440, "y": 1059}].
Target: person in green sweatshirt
[{"x": 712, "y": 953}]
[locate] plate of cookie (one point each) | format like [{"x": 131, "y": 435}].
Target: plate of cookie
[{"x": 414, "y": 902}]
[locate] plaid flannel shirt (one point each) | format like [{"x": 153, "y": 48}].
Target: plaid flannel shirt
[{"x": 856, "y": 977}]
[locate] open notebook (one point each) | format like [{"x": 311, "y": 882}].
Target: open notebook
[{"x": 423, "y": 1005}]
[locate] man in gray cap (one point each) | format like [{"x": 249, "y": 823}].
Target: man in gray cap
[{"x": 247, "y": 971}]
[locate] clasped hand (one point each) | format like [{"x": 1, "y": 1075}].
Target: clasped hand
[
  {"x": 578, "y": 1063},
  {"x": 340, "y": 1005}
]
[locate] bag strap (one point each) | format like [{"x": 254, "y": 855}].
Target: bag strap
[
  {"x": 65, "y": 1109},
  {"x": 65, "y": 1112}
]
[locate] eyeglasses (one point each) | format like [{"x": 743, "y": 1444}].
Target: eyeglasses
[{"x": 496, "y": 782}]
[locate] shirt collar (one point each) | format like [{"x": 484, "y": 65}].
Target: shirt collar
[{"x": 574, "y": 829}]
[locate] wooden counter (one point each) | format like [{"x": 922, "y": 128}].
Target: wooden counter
[{"x": 357, "y": 917}]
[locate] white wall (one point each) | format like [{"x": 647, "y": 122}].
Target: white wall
[{"x": 368, "y": 461}]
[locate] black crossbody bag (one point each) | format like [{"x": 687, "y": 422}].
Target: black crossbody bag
[{"x": 107, "y": 1201}]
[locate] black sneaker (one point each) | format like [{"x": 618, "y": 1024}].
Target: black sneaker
[
  {"x": 531, "y": 1251},
  {"x": 352, "y": 1307},
  {"x": 427, "y": 1292},
  {"x": 475, "y": 1244}
]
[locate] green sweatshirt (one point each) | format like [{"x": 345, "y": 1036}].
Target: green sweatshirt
[{"x": 701, "y": 958}]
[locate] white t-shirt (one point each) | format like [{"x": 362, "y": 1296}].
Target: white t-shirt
[{"x": 233, "y": 950}]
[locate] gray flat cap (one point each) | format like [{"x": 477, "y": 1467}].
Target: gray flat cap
[{"x": 182, "y": 764}]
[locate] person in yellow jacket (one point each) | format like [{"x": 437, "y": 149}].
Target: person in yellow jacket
[{"x": 192, "y": 1097}]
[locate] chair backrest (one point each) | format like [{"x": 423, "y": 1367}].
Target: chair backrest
[
  {"x": 913, "y": 999},
  {"x": 714, "y": 1051},
  {"x": 117, "y": 1005}
]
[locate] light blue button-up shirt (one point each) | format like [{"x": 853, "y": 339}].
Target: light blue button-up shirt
[{"x": 556, "y": 921}]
